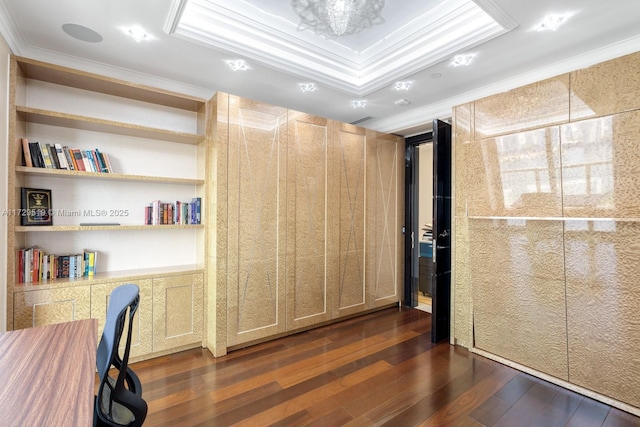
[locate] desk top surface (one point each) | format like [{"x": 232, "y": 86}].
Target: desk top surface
[{"x": 47, "y": 375}]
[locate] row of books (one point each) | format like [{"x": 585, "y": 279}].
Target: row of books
[
  {"x": 34, "y": 265},
  {"x": 158, "y": 212},
  {"x": 57, "y": 156}
]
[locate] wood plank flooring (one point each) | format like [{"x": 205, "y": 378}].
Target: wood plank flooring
[{"x": 375, "y": 370}]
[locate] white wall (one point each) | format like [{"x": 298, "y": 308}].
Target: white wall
[
  {"x": 4, "y": 134},
  {"x": 425, "y": 186}
]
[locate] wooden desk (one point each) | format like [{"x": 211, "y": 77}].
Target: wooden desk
[{"x": 47, "y": 375}]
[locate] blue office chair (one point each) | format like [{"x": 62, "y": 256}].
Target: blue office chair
[{"x": 119, "y": 401}]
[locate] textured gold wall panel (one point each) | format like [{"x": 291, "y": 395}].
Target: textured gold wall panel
[
  {"x": 518, "y": 292},
  {"x": 256, "y": 227},
  {"x": 518, "y": 276},
  {"x": 607, "y": 88},
  {"x": 350, "y": 295},
  {"x": 49, "y": 306},
  {"x": 536, "y": 105},
  {"x": 600, "y": 175},
  {"x": 177, "y": 311},
  {"x": 309, "y": 173},
  {"x": 603, "y": 307},
  {"x": 142, "y": 330},
  {"x": 514, "y": 175},
  {"x": 385, "y": 214}
]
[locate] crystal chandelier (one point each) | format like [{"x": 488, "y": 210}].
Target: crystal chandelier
[{"x": 334, "y": 18}]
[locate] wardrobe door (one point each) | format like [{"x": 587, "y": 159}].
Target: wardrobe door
[{"x": 256, "y": 197}]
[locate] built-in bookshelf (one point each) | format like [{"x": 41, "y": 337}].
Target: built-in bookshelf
[{"x": 157, "y": 149}]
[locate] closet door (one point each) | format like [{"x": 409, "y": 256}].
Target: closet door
[
  {"x": 349, "y": 215},
  {"x": 310, "y": 264},
  {"x": 256, "y": 220},
  {"x": 384, "y": 216}
]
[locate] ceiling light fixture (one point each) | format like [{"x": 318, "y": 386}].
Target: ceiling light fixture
[
  {"x": 308, "y": 87},
  {"x": 237, "y": 64},
  {"x": 402, "y": 85},
  {"x": 359, "y": 103},
  {"x": 334, "y": 18},
  {"x": 552, "y": 22},
  {"x": 137, "y": 33},
  {"x": 459, "y": 60}
]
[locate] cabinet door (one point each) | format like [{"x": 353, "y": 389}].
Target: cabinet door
[
  {"x": 177, "y": 311},
  {"x": 141, "y": 333},
  {"x": 49, "y": 306},
  {"x": 385, "y": 216},
  {"x": 256, "y": 221},
  {"x": 310, "y": 263},
  {"x": 347, "y": 204}
]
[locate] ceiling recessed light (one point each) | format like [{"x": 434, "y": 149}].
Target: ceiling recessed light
[
  {"x": 82, "y": 33},
  {"x": 237, "y": 64},
  {"x": 137, "y": 33},
  {"x": 308, "y": 87},
  {"x": 460, "y": 60},
  {"x": 359, "y": 103},
  {"x": 402, "y": 85},
  {"x": 552, "y": 22}
]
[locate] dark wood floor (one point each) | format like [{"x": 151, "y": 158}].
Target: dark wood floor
[{"x": 378, "y": 369}]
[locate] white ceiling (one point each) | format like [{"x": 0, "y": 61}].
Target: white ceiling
[{"x": 190, "y": 40}]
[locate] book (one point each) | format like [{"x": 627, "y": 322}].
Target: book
[
  {"x": 106, "y": 159},
  {"x": 87, "y": 163},
  {"x": 70, "y": 160},
  {"x": 62, "y": 160},
  {"x": 36, "y": 155},
  {"x": 77, "y": 155},
  {"x": 197, "y": 209},
  {"x": 26, "y": 154},
  {"x": 101, "y": 161},
  {"x": 45, "y": 149}
]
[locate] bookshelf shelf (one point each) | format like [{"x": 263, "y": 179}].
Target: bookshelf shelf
[
  {"x": 105, "y": 176},
  {"x": 54, "y": 118},
  {"x": 124, "y": 275},
  {"x": 67, "y": 228}
]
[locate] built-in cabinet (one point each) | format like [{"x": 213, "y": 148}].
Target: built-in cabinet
[{"x": 309, "y": 214}]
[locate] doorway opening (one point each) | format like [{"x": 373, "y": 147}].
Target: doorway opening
[
  {"x": 419, "y": 210},
  {"x": 428, "y": 234}
]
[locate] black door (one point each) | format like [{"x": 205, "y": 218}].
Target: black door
[{"x": 441, "y": 281}]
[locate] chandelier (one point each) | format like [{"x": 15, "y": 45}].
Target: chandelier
[{"x": 334, "y": 18}]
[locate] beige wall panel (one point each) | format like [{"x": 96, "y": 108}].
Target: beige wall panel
[
  {"x": 607, "y": 88},
  {"x": 462, "y": 308},
  {"x": 142, "y": 330},
  {"x": 518, "y": 292},
  {"x": 350, "y": 295},
  {"x": 218, "y": 244},
  {"x": 513, "y": 175},
  {"x": 603, "y": 307},
  {"x": 461, "y": 131},
  {"x": 310, "y": 149},
  {"x": 177, "y": 311},
  {"x": 256, "y": 226},
  {"x": 536, "y": 105},
  {"x": 600, "y": 158},
  {"x": 49, "y": 306},
  {"x": 385, "y": 210}
]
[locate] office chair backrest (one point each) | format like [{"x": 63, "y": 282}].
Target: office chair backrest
[{"x": 119, "y": 401}]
